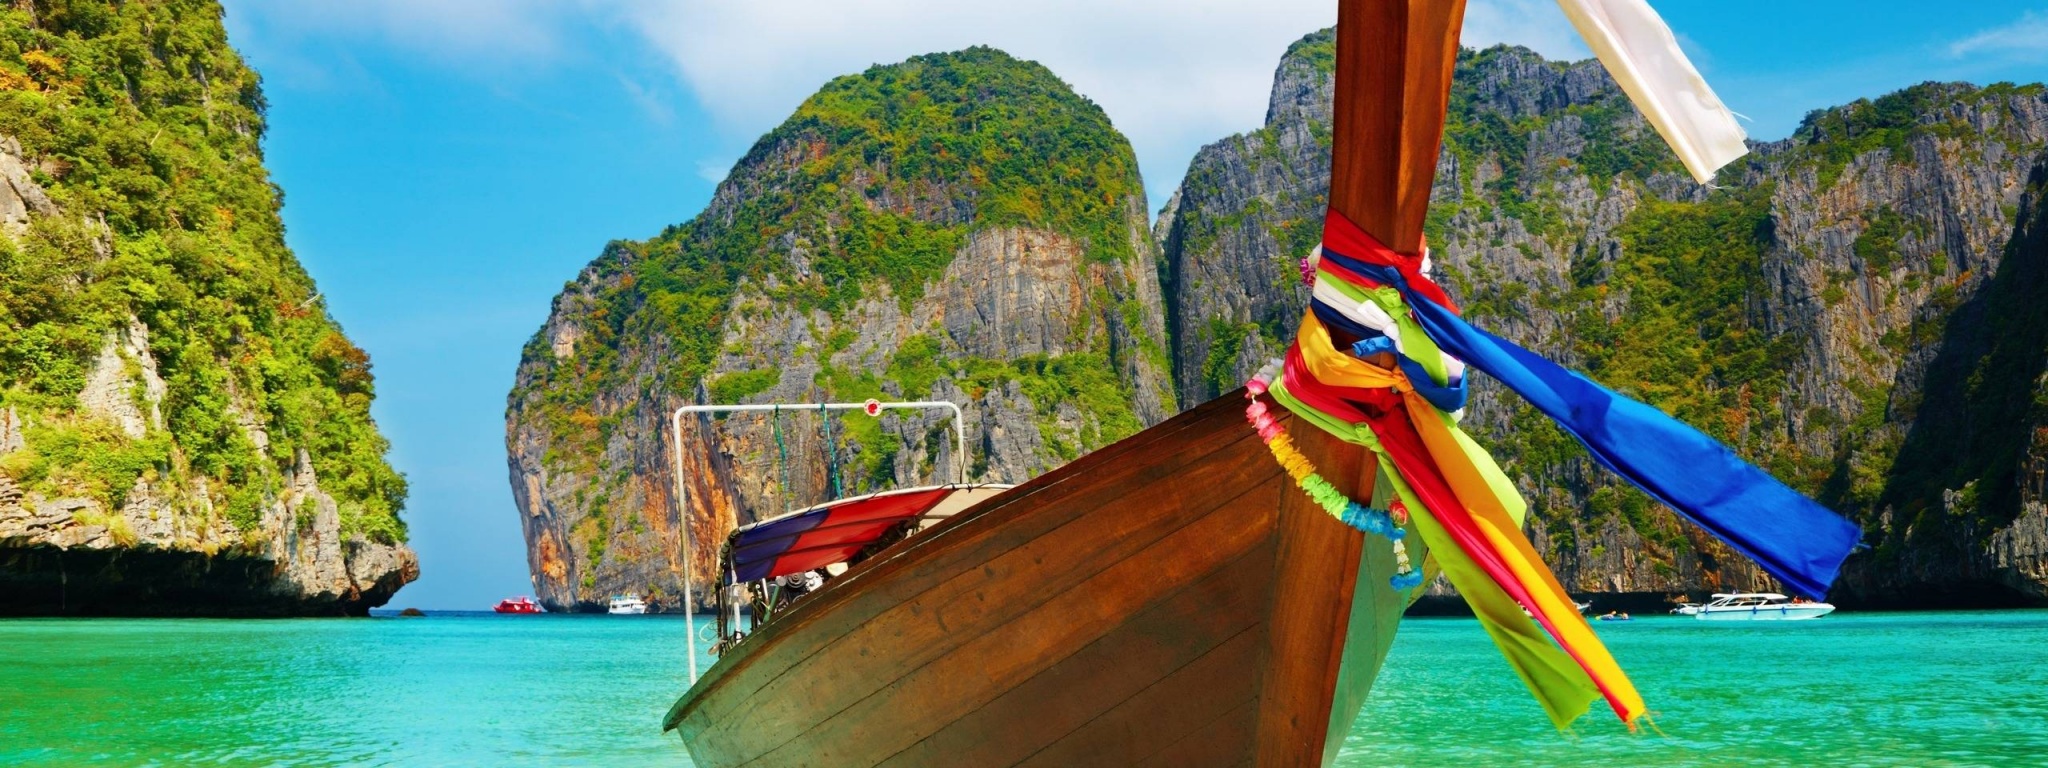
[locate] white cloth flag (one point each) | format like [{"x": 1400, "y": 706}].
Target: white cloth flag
[{"x": 1638, "y": 50}]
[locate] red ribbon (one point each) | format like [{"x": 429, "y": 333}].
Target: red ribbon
[{"x": 1346, "y": 238}]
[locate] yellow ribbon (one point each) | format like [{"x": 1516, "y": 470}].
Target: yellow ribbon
[{"x": 1565, "y": 687}]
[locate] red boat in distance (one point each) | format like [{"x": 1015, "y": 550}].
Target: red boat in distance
[{"x": 517, "y": 605}]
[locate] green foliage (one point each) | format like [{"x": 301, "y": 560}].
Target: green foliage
[
  {"x": 917, "y": 364},
  {"x": 1318, "y": 49},
  {"x": 139, "y": 119},
  {"x": 737, "y": 386},
  {"x": 1618, "y": 147},
  {"x": 1226, "y": 341},
  {"x": 86, "y": 457},
  {"x": 1960, "y": 471},
  {"x": 1833, "y": 137},
  {"x": 1878, "y": 245},
  {"x": 1683, "y": 341},
  {"x": 876, "y": 181},
  {"x": 1087, "y": 380},
  {"x": 1613, "y": 153}
]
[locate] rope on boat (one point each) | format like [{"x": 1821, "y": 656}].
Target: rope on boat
[
  {"x": 781, "y": 455},
  {"x": 831, "y": 452}
]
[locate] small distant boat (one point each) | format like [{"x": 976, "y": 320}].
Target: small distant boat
[
  {"x": 1582, "y": 608},
  {"x": 627, "y": 605},
  {"x": 1756, "y": 606},
  {"x": 517, "y": 605},
  {"x": 1612, "y": 616}
]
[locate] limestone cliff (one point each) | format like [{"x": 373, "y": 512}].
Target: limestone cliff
[
  {"x": 183, "y": 430},
  {"x": 956, "y": 227},
  {"x": 1843, "y": 312}
]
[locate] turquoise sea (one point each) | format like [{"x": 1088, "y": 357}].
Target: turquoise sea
[{"x": 1906, "y": 689}]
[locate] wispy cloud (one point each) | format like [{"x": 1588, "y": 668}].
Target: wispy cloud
[
  {"x": 713, "y": 170},
  {"x": 1172, "y": 74},
  {"x": 650, "y": 102},
  {"x": 2025, "y": 38}
]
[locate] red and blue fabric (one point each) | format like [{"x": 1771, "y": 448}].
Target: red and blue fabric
[{"x": 824, "y": 535}]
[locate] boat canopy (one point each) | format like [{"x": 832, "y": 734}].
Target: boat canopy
[{"x": 809, "y": 539}]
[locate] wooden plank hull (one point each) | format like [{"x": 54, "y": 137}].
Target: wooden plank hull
[{"x": 1168, "y": 600}]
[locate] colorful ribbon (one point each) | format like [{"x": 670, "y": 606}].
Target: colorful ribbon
[
  {"x": 1472, "y": 522},
  {"x": 1794, "y": 539},
  {"x": 1463, "y": 506}
]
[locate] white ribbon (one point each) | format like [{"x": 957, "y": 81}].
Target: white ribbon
[
  {"x": 1370, "y": 315},
  {"x": 1639, "y": 51}
]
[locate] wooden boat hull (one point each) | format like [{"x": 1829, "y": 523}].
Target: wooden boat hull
[{"x": 1168, "y": 600}]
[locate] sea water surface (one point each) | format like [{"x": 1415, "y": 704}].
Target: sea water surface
[{"x": 1906, "y": 689}]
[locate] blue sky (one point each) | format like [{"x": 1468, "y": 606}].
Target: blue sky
[{"x": 447, "y": 166}]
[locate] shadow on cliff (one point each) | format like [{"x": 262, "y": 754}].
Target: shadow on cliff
[
  {"x": 82, "y": 581},
  {"x": 1956, "y": 481}
]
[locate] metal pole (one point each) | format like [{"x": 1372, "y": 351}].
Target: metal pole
[
  {"x": 682, "y": 500},
  {"x": 683, "y": 506}
]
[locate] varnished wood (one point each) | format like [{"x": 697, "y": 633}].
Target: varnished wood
[
  {"x": 1196, "y": 694},
  {"x": 1106, "y": 612},
  {"x": 1394, "y": 62},
  {"x": 997, "y": 597},
  {"x": 987, "y": 576},
  {"x": 1049, "y": 717},
  {"x": 1004, "y": 657},
  {"x": 1310, "y": 612},
  {"x": 1093, "y": 481},
  {"x": 1225, "y": 740}
]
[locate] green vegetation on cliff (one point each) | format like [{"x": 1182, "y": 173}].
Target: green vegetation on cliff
[
  {"x": 1701, "y": 302},
  {"x": 874, "y": 184},
  {"x": 1690, "y": 273},
  {"x": 144, "y": 127}
]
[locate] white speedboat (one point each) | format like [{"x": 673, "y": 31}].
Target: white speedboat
[
  {"x": 627, "y": 605},
  {"x": 1757, "y": 606}
]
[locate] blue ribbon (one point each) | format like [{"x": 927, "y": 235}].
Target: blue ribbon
[
  {"x": 1445, "y": 398},
  {"x": 1795, "y": 539}
]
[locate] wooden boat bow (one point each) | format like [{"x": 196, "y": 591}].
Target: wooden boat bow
[{"x": 1170, "y": 599}]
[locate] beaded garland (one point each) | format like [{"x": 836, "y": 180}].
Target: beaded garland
[{"x": 1385, "y": 523}]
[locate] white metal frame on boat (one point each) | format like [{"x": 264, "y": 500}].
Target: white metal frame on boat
[{"x": 870, "y": 407}]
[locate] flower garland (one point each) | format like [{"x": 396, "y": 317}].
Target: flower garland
[{"x": 1386, "y": 523}]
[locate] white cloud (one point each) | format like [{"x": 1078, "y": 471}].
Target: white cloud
[
  {"x": 2024, "y": 38},
  {"x": 714, "y": 170},
  {"x": 1172, "y": 74},
  {"x": 650, "y": 101}
]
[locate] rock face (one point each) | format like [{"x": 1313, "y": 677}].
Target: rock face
[
  {"x": 181, "y": 431},
  {"x": 1845, "y": 311},
  {"x": 957, "y": 227}
]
